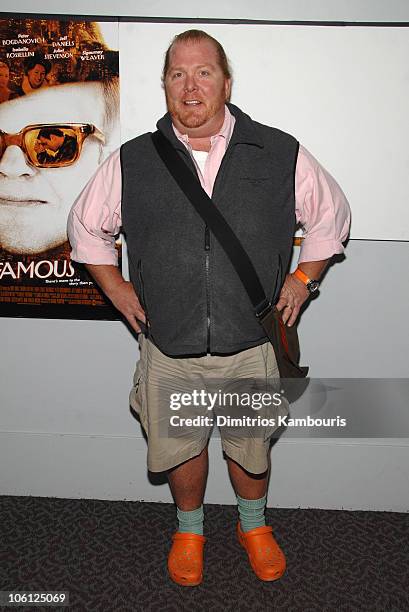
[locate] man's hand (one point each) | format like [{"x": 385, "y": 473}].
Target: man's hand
[
  {"x": 120, "y": 292},
  {"x": 294, "y": 292},
  {"x": 292, "y": 296},
  {"x": 125, "y": 300}
]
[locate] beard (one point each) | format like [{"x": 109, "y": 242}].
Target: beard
[{"x": 194, "y": 116}]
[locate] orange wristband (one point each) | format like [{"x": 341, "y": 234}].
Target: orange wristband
[{"x": 301, "y": 276}]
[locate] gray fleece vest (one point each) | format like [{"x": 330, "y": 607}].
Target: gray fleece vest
[{"x": 187, "y": 286}]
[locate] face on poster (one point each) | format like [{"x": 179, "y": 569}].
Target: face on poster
[
  {"x": 59, "y": 120},
  {"x": 35, "y": 201}
]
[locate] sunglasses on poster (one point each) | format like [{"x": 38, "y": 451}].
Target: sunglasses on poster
[{"x": 50, "y": 145}]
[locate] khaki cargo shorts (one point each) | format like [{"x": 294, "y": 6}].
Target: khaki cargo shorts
[{"x": 158, "y": 377}]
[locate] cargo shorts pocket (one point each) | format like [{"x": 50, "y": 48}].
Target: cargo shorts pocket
[
  {"x": 280, "y": 405},
  {"x": 137, "y": 395}
]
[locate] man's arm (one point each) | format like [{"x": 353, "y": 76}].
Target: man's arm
[
  {"x": 323, "y": 211},
  {"x": 93, "y": 223}
]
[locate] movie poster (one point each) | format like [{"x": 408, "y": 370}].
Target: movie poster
[{"x": 59, "y": 119}]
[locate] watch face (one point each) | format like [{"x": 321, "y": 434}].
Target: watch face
[{"x": 312, "y": 286}]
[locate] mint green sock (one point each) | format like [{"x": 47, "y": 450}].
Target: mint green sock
[
  {"x": 191, "y": 521},
  {"x": 251, "y": 512}
]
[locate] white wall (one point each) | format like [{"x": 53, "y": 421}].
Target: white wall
[
  {"x": 65, "y": 426},
  {"x": 308, "y": 80},
  {"x": 286, "y": 10}
]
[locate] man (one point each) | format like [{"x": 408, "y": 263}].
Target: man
[
  {"x": 35, "y": 200},
  {"x": 36, "y": 193},
  {"x": 200, "y": 321},
  {"x": 5, "y": 92},
  {"x": 55, "y": 145}
]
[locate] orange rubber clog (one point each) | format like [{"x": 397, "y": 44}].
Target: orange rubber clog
[
  {"x": 185, "y": 560},
  {"x": 266, "y": 557}
]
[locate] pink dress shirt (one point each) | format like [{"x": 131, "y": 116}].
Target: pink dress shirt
[{"x": 321, "y": 206}]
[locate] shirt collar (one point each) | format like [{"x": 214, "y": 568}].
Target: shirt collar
[{"x": 225, "y": 131}]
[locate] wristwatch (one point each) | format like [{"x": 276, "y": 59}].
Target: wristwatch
[{"x": 312, "y": 285}]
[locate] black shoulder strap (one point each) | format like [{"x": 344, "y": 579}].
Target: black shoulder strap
[{"x": 215, "y": 221}]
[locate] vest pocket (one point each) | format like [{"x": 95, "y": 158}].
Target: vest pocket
[
  {"x": 142, "y": 297},
  {"x": 277, "y": 281}
]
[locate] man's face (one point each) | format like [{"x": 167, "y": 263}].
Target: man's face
[
  {"x": 53, "y": 143},
  {"x": 36, "y": 76},
  {"x": 196, "y": 88},
  {"x": 42, "y": 144},
  {"x": 34, "y": 202},
  {"x": 4, "y": 76}
]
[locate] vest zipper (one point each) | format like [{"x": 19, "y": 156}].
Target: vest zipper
[
  {"x": 207, "y": 272},
  {"x": 226, "y": 156},
  {"x": 207, "y": 262}
]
